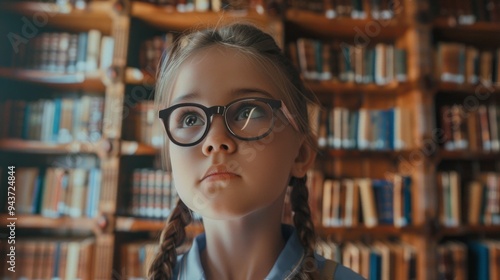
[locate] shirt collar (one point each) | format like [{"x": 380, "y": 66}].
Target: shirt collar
[{"x": 288, "y": 262}]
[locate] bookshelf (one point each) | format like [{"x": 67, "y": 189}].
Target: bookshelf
[
  {"x": 469, "y": 159},
  {"x": 44, "y": 72},
  {"x": 407, "y": 32}
]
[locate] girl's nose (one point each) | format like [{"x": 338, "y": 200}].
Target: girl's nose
[{"x": 218, "y": 138}]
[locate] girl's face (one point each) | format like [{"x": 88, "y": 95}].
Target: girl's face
[{"x": 247, "y": 175}]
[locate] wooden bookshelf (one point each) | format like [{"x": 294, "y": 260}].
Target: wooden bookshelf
[
  {"x": 484, "y": 32},
  {"x": 97, "y": 15},
  {"x": 107, "y": 18},
  {"x": 135, "y": 76},
  {"x": 61, "y": 223},
  {"x": 38, "y": 147},
  {"x": 318, "y": 25},
  {"x": 468, "y": 230},
  {"x": 333, "y": 88},
  {"x": 382, "y": 230},
  {"x": 77, "y": 81},
  {"x": 168, "y": 19},
  {"x": 368, "y": 153},
  {"x": 129, "y": 224},
  {"x": 467, "y": 155},
  {"x": 130, "y": 148},
  {"x": 454, "y": 88}
]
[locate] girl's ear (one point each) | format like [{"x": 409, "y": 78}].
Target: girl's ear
[{"x": 304, "y": 160}]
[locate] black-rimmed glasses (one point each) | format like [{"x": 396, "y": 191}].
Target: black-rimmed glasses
[{"x": 248, "y": 119}]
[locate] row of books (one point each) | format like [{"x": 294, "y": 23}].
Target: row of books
[
  {"x": 62, "y": 52},
  {"x": 354, "y": 201},
  {"x": 376, "y": 261},
  {"x": 475, "y": 202},
  {"x": 58, "y": 120},
  {"x": 464, "y": 64},
  {"x": 476, "y": 259},
  {"x": 142, "y": 124},
  {"x": 211, "y": 5},
  {"x": 76, "y": 3},
  {"x": 152, "y": 194},
  {"x": 322, "y": 60},
  {"x": 474, "y": 128},
  {"x": 467, "y": 11},
  {"x": 136, "y": 257},
  {"x": 356, "y": 9},
  {"x": 349, "y": 202},
  {"x": 151, "y": 51},
  {"x": 38, "y": 258},
  {"x": 55, "y": 191},
  {"x": 363, "y": 129}
]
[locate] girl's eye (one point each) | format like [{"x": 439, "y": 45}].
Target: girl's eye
[
  {"x": 249, "y": 112},
  {"x": 190, "y": 119}
]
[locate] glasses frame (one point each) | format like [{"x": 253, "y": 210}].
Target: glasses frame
[{"x": 164, "y": 115}]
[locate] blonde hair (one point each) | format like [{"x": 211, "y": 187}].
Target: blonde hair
[{"x": 261, "y": 47}]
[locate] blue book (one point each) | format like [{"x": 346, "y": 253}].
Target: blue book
[
  {"x": 389, "y": 136},
  {"x": 353, "y": 129},
  {"x": 318, "y": 56},
  {"x": 384, "y": 200},
  {"x": 407, "y": 185},
  {"x": 57, "y": 260},
  {"x": 26, "y": 121},
  {"x": 90, "y": 193},
  {"x": 375, "y": 266},
  {"x": 57, "y": 119},
  {"x": 96, "y": 187},
  {"x": 38, "y": 192},
  {"x": 480, "y": 261}
]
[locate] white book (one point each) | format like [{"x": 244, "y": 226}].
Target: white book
[
  {"x": 106, "y": 55},
  {"x": 93, "y": 49}
]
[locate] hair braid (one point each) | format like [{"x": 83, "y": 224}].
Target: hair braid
[
  {"x": 304, "y": 224},
  {"x": 172, "y": 236}
]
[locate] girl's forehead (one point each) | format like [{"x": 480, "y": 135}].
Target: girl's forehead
[{"x": 220, "y": 70}]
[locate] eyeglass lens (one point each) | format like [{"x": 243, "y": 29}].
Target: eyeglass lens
[{"x": 246, "y": 119}]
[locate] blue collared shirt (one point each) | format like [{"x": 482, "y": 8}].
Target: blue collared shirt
[{"x": 287, "y": 265}]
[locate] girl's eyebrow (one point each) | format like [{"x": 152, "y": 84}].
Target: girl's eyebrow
[
  {"x": 241, "y": 91},
  {"x": 186, "y": 97},
  {"x": 236, "y": 93}
]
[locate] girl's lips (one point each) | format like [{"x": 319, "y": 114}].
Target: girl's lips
[
  {"x": 218, "y": 173},
  {"x": 219, "y": 176}
]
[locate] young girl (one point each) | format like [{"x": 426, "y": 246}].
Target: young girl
[{"x": 235, "y": 112}]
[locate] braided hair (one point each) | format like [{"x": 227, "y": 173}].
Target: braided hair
[{"x": 172, "y": 236}]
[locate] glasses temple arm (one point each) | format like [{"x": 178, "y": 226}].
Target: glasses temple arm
[{"x": 289, "y": 116}]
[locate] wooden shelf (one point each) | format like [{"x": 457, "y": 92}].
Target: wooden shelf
[
  {"x": 133, "y": 148},
  {"x": 38, "y": 147},
  {"x": 377, "y": 230},
  {"x": 483, "y": 32},
  {"x": 129, "y": 224},
  {"x": 467, "y": 155},
  {"x": 366, "y": 153},
  {"x": 169, "y": 19},
  {"x": 59, "y": 81},
  {"x": 317, "y": 24},
  {"x": 331, "y": 87},
  {"x": 97, "y": 15},
  {"x": 453, "y": 88},
  {"x": 468, "y": 230},
  {"x": 135, "y": 76},
  {"x": 41, "y": 222}
]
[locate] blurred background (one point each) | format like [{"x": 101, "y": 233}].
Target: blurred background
[{"x": 406, "y": 183}]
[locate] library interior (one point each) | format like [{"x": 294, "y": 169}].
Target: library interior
[{"x": 406, "y": 183}]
